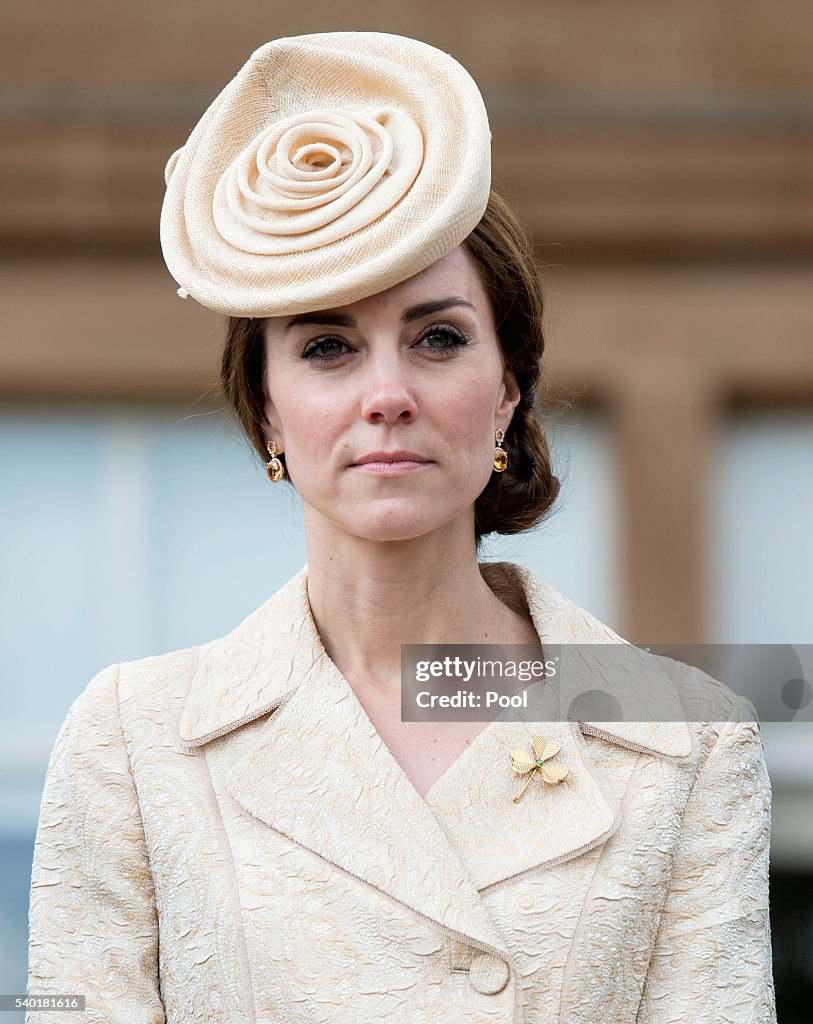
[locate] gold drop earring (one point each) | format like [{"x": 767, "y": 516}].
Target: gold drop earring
[
  {"x": 500, "y": 454},
  {"x": 274, "y": 468}
]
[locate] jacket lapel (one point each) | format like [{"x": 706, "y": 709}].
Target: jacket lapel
[
  {"x": 320, "y": 751},
  {"x": 500, "y": 840}
]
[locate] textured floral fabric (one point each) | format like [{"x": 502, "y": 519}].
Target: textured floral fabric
[{"x": 224, "y": 837}]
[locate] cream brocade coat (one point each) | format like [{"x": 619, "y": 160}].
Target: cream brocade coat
[{"x": 224, "y": 837}]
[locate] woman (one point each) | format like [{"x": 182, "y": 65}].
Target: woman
[{"x": 248, "y": 831}]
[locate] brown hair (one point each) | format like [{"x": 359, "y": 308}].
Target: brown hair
[{"x": 513, "y": 501}]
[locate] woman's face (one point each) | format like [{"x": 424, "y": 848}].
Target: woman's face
[{"x": 415, "y": 370}]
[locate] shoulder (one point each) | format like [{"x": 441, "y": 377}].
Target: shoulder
[
  {"x": 705, "y": 700},
  {"x": 126, "y": 700},
  {"x": 673, "y": 696},
  {"x": 150, "y": 678},
  {"x": 141, "y": 700}
]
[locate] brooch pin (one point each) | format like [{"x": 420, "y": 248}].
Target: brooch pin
[{"x": 539, "y": 761}]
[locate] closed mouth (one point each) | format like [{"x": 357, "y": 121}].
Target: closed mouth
[{"x": 391, "y": 458}]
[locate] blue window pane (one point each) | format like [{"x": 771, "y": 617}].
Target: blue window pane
[{"x": 761, "y": 558}]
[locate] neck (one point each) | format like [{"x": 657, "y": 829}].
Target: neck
[{"x": 369, "y": 597}]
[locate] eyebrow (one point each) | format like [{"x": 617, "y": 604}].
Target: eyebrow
[{"x": 415, "y": 312}]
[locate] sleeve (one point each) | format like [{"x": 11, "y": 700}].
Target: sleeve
[
  {"x": 711, "y": 962},
  {"x": 93, "y": 925}
]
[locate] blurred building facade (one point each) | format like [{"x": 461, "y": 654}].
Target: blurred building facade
[{"x": 662, "y": 158}]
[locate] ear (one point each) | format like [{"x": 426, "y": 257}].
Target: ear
[
  {"x": 273, "y": 429},
  {"x": 509, "y": 397}
]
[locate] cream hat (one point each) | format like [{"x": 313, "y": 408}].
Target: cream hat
[{"x": 331, "y": 167}]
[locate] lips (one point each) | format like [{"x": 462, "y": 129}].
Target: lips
[{"x": 397, "y": 456}]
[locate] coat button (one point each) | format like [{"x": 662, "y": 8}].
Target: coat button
[{"x": 488, "y": 974}]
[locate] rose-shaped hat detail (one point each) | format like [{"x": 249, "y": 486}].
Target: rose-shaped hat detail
[
  {"x": 331, "y": 167},
  {"x": 317, "y": 177}
]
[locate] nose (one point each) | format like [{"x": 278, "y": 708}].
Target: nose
[{"x": 388, "y": 393}]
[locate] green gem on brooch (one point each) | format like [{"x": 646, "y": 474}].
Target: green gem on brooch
[{"x": 539, "y": 761}]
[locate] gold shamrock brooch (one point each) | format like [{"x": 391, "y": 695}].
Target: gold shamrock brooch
[{"x": 539, "y": 761}]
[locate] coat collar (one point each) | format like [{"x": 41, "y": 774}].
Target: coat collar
[
  {"x": 318, "y": 771},
  {"x": 255, "y": 668}
]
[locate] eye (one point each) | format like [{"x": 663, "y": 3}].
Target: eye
[
  {"x": 451, "y": 337},
  {"x": 324, "y": 350},
  {"x": 329, "y": 348}
]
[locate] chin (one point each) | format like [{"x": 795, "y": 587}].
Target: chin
[
  {"x": 394, "y": 524},
  {"x": 392, "y": 532}
]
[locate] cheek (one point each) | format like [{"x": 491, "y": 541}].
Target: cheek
[
  {"x": 468, "y": 414},
  {"x": 308, "y": 421}
]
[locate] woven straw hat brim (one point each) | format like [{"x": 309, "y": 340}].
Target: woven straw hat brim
[{"x": 331, "y": 167}]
